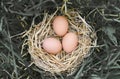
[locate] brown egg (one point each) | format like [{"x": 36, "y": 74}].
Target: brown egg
[
  {"x": 69, "y": 42},
  {"x": 60, "y": 25},
  {"x": 52, "y": 45}
]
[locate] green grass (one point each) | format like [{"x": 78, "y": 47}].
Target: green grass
[{"x": 103, "y": 15}]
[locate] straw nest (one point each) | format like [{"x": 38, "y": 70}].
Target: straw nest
[{"x": 60, "y": 62}]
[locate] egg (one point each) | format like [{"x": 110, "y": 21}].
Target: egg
[
  {"x": 69, "y": 42},
  {"x": 52, "y": 45},
  {"x": 60, "y": 25}
]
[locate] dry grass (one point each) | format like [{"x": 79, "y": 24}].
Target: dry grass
[{"x": 61, "y": 62}]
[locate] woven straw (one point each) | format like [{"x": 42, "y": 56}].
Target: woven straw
[{"x": 61, "y": 62}]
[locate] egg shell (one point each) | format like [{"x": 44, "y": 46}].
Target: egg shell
[
  {"x": 60, "y": 25},
  {"x": 70, "y": 42},
  {"x": 52, "y": 45}
]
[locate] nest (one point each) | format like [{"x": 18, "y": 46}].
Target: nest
[{"x": 60, "y": 62}]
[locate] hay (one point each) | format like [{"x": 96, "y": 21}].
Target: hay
[{"x": 61, "y": 62}]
